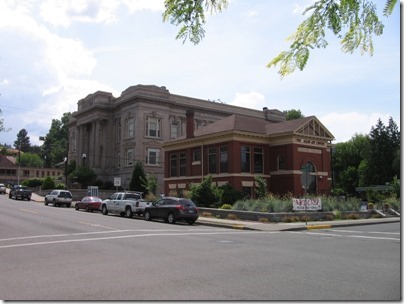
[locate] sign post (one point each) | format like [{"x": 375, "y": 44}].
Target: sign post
[
  {"x": 305, "y": 184},
  {"x": 117, "y": 182}
]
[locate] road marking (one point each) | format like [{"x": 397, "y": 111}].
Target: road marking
[
  {"x": 345, "y": 236},
  {"x": 97, "y": 225},
  {"x": 30, "y": 211},
  {"x": 134, "y": 236}
]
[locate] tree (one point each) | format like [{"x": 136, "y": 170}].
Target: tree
[
  {"x": 55, "y": 142},
  {"x": 350, "y": 163},
  {"x": 2, "y": 128},
  {"x": 205, "y": 194},
  {"x": 293, "y": 114},
  {"x": 84, "y": 176},
  {"x": 30, "y": 160},
  {"x": 384, "y": 144},
  {"x": 354, "y": 22},
  {"x": 138, "y": 181},
  {"x": 22, "y": 143}
]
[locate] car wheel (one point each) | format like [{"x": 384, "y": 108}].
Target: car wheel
[
  {"x": 10, "y": 196},
  {"x": 76, "y": 207},
  {"x": 147, "y": 216},
  {"x": 104, "y": 210},
  {"x": 191, "y": 222},
  {"x": 128, "y": 212},
  {"x": 87, "y": 209},
  {"x": 171, "y": 218}
]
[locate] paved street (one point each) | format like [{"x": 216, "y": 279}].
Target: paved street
[{"x": 50, "y": 253}]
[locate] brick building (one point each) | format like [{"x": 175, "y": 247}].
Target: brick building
[
  {"x": 109, "y": 134},
  {"x": 237, "y": 148}
]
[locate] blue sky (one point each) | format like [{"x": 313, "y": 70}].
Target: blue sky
[{"x": 54, "y": 53}]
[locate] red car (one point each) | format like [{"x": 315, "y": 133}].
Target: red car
[{"x": 89, "y": 203}]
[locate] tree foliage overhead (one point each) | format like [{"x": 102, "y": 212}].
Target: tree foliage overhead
[{"x": 354, "y": 22}]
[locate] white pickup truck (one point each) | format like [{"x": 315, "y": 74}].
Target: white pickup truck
[{"x": 124, "y": 203}]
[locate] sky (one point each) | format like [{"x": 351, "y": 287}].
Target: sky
[{"x": 55, "y": 52}]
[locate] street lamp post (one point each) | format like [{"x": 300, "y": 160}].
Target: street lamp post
[{"x": 84, "y": 156}]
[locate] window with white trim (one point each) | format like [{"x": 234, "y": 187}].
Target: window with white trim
[
  {"x": 175, "y": 129},
  {"x": 153, "y": 156},
  {"x": 129, "y": 157},
  {"x": 130, "y": 127},
  {"x": 153, "y": 127}
]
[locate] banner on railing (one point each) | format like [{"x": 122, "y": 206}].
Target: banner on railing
[{"x": 303, "y": 204}]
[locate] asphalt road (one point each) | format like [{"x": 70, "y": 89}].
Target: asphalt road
[{"x": 50, "y": 253}]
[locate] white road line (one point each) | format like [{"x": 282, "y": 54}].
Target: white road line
[
  {"x": 370, "y": 232},
  {"x": 346, "y": 236},
  {"x": 30, "y": 211},
  {"x": 133, "y": 236}
]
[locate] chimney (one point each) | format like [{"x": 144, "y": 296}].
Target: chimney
[{"x": 190, "y": 123}]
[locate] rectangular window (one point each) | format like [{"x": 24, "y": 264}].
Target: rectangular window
[
  {"x": 212, "y": 160},
  {"x": 153, "y": 127},
  {"x": 118, "y": 131},
  {"x": 183, "y": 164},
  {"x": 118, "y": 159},
  {"x": 245, "y": 159},
  {"x": 173, "y": 165},
  {"x": 196, "y": 155},
  {"x": 153, "y": 156},
  {"x": 224, "y": 160},
  {"x": 258, "y": 160},
  {"x": 129, "y": 157},
  {"x": 175, "y": 129},
  {"x": 130, "y": 127}
]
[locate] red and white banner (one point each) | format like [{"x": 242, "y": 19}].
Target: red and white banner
[{"x": 303, "y": 204}]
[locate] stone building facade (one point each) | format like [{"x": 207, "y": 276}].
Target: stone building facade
[{"x": 109, "y": 134}]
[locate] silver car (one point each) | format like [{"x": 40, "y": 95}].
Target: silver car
[
  {"x": 2, "y": 189},
  {"x": 59, "y": 197}
]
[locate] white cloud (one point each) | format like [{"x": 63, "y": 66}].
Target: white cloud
[
  {"x": 252, "y": 100},
  {"x": 63, "y": 13},
  {"x": 138, "y": 5},
  {"x": 345, "y": 125}
]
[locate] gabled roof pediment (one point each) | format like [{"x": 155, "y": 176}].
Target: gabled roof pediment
[{"x": 307, "y": 126}]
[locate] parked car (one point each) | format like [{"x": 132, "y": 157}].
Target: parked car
[
  {"x": 172, "y": 209},
  {"x": 58, "y": 198},
  {"x": 2, "y": 189},
  {"x": 124, "y": 204},
  {"x": 89, "y": 203},
  {"x": 20, "y": 192}
]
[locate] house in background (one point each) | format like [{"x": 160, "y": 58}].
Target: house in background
[
  {"x": 12, "y": 173},
  {"x": 236, "y": 149}
]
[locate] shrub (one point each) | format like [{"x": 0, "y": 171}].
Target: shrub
[
  {"x": 337, "y": 214},
  {"x": 48, "y": 183},
  {"x": 291, "y": 219},
  {"x": 371, "y": 205},
  {"x": 229, "y": 195},
  {"x": 33, "y": 182},
  {"x": 226, "y": 206},
  {"x": 206, "y": 214}
]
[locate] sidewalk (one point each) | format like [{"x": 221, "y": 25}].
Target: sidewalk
[{"x": 249, "y": 225}]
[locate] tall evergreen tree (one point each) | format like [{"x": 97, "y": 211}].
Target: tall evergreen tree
[
  {"x": 138, "y": 181},
  {"x": 22, "y": 143}
]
